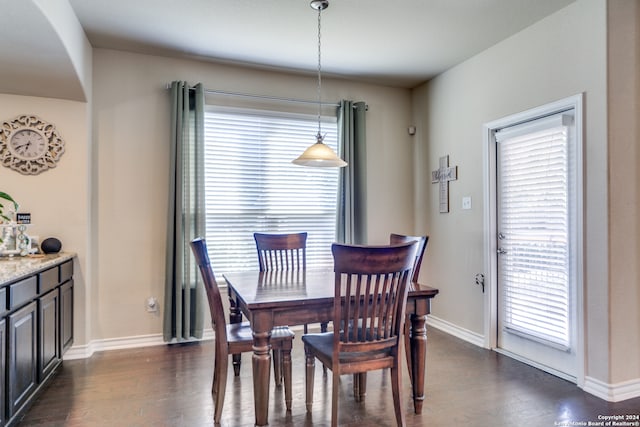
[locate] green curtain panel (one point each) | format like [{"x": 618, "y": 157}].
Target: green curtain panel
[
  {"x": 184, "y": 292},
  {"x": 352, "y": 214}
]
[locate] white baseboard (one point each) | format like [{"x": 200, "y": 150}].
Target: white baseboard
[
  {"x": 612, "y": 392},
  {"x": 455, "y": 330},
  {"x": 86, "y": 351}
]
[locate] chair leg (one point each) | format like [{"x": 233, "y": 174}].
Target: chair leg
[
  {"x": 407, "y": 344},
  {"x": 235, "y": 316},
  {"x": 323, "y": 328},
  {"x": 277, "y": 366},
  {"x": 359, "y": 386},
  {"x": 286, "y": 367},
  {"x": 334, "y": 399},
  {"x": 309, "y": 377},
  {"x": 237, "y": 359},
  {"x": 396, "y": 386},
  {"x": 216, "y": 361},
  {"x": 356, "y": 386},
  {"x": 221, "y": 366}
]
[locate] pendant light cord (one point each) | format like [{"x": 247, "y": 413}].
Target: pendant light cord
[{"x": 319, "y": 137}]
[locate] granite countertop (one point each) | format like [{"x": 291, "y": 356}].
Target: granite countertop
[{"x": 16, "y": 267}]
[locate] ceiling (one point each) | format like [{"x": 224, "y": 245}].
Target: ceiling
[{"x": 396, "y": 42}]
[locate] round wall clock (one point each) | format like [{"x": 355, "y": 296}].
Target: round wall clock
[{"x": 30, "y": 145}]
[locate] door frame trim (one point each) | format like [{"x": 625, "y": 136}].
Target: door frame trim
[{"x": 490, "y": 222}]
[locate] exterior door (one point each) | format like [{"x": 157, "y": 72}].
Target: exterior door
[{"x": 536, "y": 224}]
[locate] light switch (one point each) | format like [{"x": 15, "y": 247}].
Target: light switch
[{"x": 466, "y": 202}]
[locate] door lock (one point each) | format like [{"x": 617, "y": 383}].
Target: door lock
[{"x": 480, "y": 280}]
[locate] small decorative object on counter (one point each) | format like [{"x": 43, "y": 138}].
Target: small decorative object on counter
[
  {"x": 23, "y": 218},
  {"x": 51, "y": 245},
  {"x": 15, "y": 240},
  {"x": 13, "y": 237}
]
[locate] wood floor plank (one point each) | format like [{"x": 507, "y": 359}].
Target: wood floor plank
[{"x": 170, "y": 386}]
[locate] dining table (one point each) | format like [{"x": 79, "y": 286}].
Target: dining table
[{"x": 297, "y": 297}]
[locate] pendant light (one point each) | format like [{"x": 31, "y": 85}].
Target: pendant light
[{"x": 319, "y": 154}]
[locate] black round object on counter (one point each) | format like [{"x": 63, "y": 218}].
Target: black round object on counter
[{"x": 51, "y": 245}]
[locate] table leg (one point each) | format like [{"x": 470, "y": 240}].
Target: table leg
[
  {"x": 261, "y": 371},
  {"x": 418, "y": 359}
]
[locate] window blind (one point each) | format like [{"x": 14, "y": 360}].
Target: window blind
[
  {"x": 252, "y": 186},
  {"x": 534, "y": 264}
]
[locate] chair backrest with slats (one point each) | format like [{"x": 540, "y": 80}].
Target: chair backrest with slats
[
  {"x": 281, "y": 251},
  {"x": 395, "y": 239},
  {"x": 370, "y": 296},
  {"x": 199, "y": 249}
]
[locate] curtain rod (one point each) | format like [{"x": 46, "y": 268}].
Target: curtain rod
[{"x": 271, "y": 98}]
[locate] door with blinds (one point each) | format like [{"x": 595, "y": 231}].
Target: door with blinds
[{"x": 536, "y": 241}]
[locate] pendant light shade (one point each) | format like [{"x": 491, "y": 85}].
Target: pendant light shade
[{"x": 319, "y": 155}]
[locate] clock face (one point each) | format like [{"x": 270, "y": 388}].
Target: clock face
[{"x": 28, "y": 144}]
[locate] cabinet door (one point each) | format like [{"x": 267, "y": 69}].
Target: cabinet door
[
  {"x": 22, "y": 357},
  {"x": 49, "y": 335},
  {"x": 3, "y": 380},
  {"x": 66, "y": 316}
]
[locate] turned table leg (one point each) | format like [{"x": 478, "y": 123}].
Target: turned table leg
[
  {"x": 418, "y": 342},
  {"x": 261, "y": 367}
]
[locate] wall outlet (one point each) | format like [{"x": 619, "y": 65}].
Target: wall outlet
[{"x": 152, "y": 304}]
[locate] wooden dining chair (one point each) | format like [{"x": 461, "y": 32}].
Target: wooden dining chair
[
  {"x": 283, "y": 252},
  {"x": 235, "y": 338},
  {"x": 395, "y": 239},
  {"x": 368, "y": 315}
]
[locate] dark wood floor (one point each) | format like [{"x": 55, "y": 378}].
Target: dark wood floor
[{"x": 170, "y": 386}]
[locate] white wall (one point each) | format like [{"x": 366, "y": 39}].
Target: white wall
[
  {"x": 130, "y": 130},
  {"x": 560, "y": 56},
  {"x": 58, "y": 199}
]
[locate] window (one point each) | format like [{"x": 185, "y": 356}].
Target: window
[{"x": 252, "y": 186}]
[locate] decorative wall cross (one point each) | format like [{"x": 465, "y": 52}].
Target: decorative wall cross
[{"x": 442, "y": 176}]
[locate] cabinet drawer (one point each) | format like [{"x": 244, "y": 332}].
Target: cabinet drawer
[
  {"x": 49, "y": 279},
  {"x": 22, "y": 291},
  {"x": 66, "y": 271}
]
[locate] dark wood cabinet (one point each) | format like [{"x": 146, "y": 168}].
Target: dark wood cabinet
[
  {"x": 36, "y": 328},
  {"x": 3, "y": 370},
  {"x": 49, "y": 333},
  {"x": 22, "y": 356},
  {"x": 66, "y": 315}
]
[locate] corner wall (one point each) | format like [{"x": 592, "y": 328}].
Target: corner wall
[{"x": 560, "y": 56}]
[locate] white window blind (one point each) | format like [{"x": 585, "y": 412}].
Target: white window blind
[
  {"x": 252, "y": 186},
  {"x": 534, "y": 227}
]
